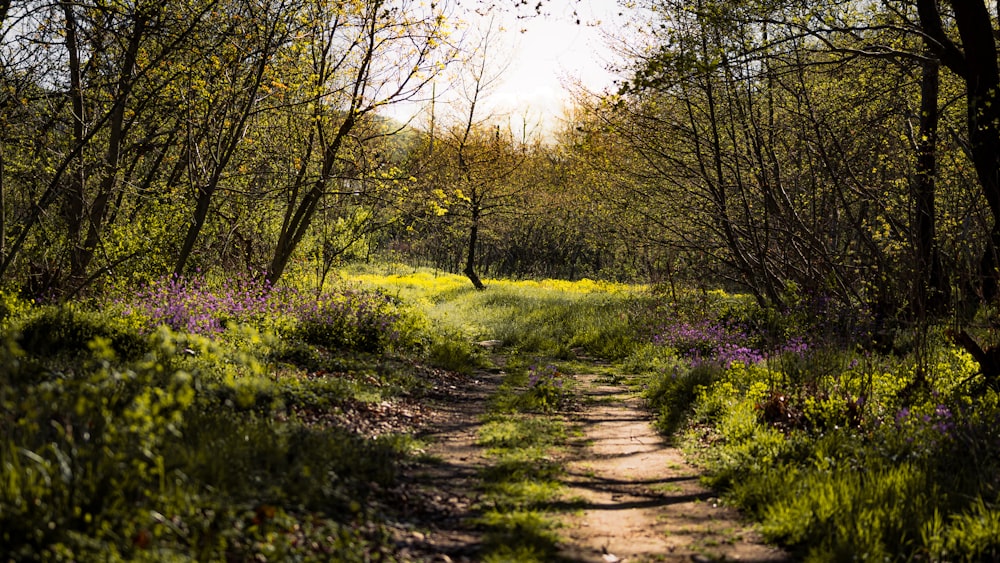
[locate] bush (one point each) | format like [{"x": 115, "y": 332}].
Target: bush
[
  {"x": 185, "y": 453},
  {"x": 451, "y": 351},
  {"x": 359, "y": 320},
  {"x": 672, "y": 395},
  {"x": 12, "y": 309},
  {"x": 834, "y": 477},
  {"x": 66, "y": 331},
  {"x": 546, "y": 389},
  {"x": 83, "y": 451}
]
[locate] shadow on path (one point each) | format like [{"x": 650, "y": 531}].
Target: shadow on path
[{"x": 631, "y": 495}]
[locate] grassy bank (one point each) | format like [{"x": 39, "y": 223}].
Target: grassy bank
[{"x": 842, "y": 447}]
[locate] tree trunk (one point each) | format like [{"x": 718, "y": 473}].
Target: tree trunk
[
  {"x": 470, "y": 257},
  {"x": 73, "y": 206},
  {"x": 299, "y": 217},
  {"x": 977, "y": 62},
  {"x": 930, "y": 287},
  {"x": 3, "y": 203},
  {"x": 111, "y": 167},
  {"x": 988, "y": 359}
]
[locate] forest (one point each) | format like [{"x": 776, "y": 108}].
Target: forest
[{"x": 234, "y": 284}]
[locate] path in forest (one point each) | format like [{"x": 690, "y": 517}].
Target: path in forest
[
  {"x": 446, "y": 488},
  {"x": 639, "y": 500},
  {"x": 630, "y": 496}
]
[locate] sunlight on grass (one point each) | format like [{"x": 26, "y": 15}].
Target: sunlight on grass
[
  {"x": 551, "y": 317},
  {"x": 519, "y": 535},
  {"x": 522, "y": 480}
]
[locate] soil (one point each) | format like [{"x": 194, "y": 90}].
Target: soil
[
  {"x": 444, "y": 485},
  {"x": 630, "y": 495},
  {"x": 640, "y": 500}
]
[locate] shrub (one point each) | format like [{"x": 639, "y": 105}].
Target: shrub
[
  {"x": 83, "y": 451},
  {"x": 836, "y": 478},
  {"x": 359, "y": 320},
  {"x": 185, "y": 453},
  {"x": 12, "y": 309},
  {"x": 546, "y": 389},
  {"x": 192, "y": 304},
  {"x": 67, "y": 331},
  {"x": 346, "y": 318},
  {"x": 451, "y": 351}
]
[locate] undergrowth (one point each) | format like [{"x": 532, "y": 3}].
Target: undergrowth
[
  {"x": 842, "y": 453},
  {"x": 549, "y": 318},
  {"x": 210, "y": 433},
  {"x": 204, "y": 420}
]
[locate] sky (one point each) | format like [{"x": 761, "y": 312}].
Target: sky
[
  {"x": 552, "y": 49},
  {"x": 545, "y": 53}
]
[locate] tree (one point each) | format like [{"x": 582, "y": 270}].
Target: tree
[
  {"x": 230, "y": 77},
  {"x": 793, "y": 152},
  {"x": 151, "y": 126},
  {"x": 361, "y": 56},
  {"x": 470, "y": 167},
  {"x": 93, "y": 105},
  {"x": 973, "y": 56}
]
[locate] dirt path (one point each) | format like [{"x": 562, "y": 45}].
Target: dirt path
[
  {"x": 629, "y": 495},
  {"x": 640, "y": 500},
  {"x": 444, "y": 487}
]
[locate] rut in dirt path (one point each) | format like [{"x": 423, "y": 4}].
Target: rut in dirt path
[
  {"x": 629, "y": 495},
  {"x": 639, "y": 500},
  {"x": 447, "y": 490}
]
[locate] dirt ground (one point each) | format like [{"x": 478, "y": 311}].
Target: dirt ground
[
  {"x": 641, "y": 500},
  {"x": 630, "y": 495}
]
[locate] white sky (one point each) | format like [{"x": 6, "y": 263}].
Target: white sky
[
  {"x": 545, "y": 52},
  {"x": 554, "y": 49}
]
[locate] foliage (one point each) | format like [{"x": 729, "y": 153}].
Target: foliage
[
  {"x": 123, "y": 438},
  {"x": 345, "y": 318},
  {"x": 673, "y": 394},
  {"x": 52, "y": 331},
  {"x": 449, "y": 350},
  {"x": 124, "y": 442},
  {"x": 839, "y": 454},
  {"x": 195, "y": 305},
  {"x": 545, "y": 388},
  {"x": 12, "y": 308},
  {"x": 192, "y": 100},
  {"x": 351, "y": 319}
]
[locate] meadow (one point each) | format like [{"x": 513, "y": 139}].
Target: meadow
[{"x": 208, "y": 419}]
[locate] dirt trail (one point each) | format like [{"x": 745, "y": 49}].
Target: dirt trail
[
  {"x": 445, "y": 489},
  {"x": 639, "y": 500},
  {"x": 630, "y": 496}
]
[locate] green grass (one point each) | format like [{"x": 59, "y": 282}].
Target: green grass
[
  {"x": 895, "y": 477},
  {"x": 550, "y": 318},
  {"x": 116, "y": 444},
  {"x": 120, "y": 444},
  {"x": 522, "y": 481}
]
